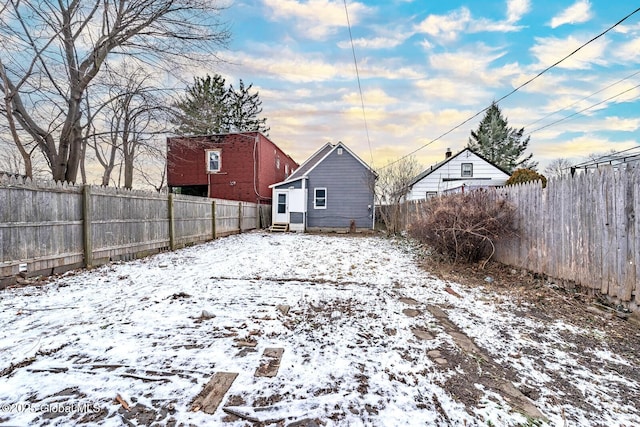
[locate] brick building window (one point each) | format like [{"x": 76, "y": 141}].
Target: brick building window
[{"x": 214, "y": 163}]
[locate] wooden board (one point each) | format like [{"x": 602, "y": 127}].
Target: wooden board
[
  {"x": 270, "y": 362},
  {"x": 213, "y": 392}
]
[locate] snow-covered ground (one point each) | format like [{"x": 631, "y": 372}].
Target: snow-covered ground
[{"x": 355, "y": 342}]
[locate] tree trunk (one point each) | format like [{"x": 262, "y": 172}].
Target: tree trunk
[{"x": 26, "y": 156}]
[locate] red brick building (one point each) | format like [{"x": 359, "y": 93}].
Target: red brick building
[{"x": 235, "y": 166}]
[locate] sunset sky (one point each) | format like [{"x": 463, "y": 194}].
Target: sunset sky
[{"x": 425, "y": 67}]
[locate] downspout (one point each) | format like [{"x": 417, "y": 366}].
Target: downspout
[{"x": 255, "y": 165}]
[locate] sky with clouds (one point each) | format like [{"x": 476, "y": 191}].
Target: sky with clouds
[{"x": 427, "y": 66}]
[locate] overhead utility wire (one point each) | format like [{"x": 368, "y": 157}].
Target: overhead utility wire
[
  {"x": 583, "y": 110},
  {"x": 607, "y": 157},
  {"x": 518, "y": 88},
  {"x": 582, "y": 99},
  {"x": 355, "y": 62}
]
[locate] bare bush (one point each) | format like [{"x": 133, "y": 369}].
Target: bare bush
[
  {"x": 464, "y": 226},
  {"x": 391, "y": 188}
]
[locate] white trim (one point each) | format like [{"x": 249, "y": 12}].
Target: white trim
[
  {"x": 207, "y": 160},
  {"x": 315, "y": 198}
]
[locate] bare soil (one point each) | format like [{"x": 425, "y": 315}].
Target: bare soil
[{"x": 545, "y": 300}]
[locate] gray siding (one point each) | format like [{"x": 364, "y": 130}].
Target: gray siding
[
  {"x": 296, "y": 217},
  {"x": 311, "y": 162},
  {"x": 349, "y": 193},
  {"x": 292, "y": 184}
]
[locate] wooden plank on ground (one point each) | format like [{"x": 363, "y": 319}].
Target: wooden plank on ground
[
  {"x": 270, "y": 362},
  {"x": 213, "y": 392}
]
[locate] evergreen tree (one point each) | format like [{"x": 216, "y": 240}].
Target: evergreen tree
[
  {"x": 209, "y": 107},
  {"x": 244, "y": 109},
  {"x": 203, "y": 111},
  {"x": 499, "y": 143}
]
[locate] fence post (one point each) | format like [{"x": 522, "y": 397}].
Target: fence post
[
  {"x": 172, "y": 225},
  {"x": 213, "y": 218},
  {"x": 239, "y": 217},
  {"x": 258, "y": 219},
  {"x": 86, "y": 226}
]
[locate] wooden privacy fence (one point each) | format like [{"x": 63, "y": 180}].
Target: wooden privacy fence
[
  {"x": 47, "y": 227},
  {"x": 584, "y": 229}
]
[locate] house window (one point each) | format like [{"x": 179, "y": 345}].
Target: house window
[
  {"x": 213, "y": 161},
  {"x": 286, "y": 170},
  {"x": 431, "y": 194},
  {"x": 467, "y": 169},
  {"x": 278, "y": 162},
  {"x": 282, "y": 203},
  {"x": 320, "y": 198}
]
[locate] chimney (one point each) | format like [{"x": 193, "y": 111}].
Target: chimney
[{"x": 448, "y": 153}]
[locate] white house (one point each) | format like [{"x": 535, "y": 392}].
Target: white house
[{"x": 456, "y": 173}]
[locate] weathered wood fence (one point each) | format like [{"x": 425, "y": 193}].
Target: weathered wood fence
[
  {"x": 584, "y": 229},
  {"x": 47, "y": 227}
]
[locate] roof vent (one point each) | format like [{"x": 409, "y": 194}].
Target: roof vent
[{"x": 448, "y": 153}]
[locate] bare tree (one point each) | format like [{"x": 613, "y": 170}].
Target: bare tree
[
  {"x": 10, "y": 159},
  {"x": 152, "y": 169},
  {"x": 131, "y": 116},
  {"x": 391, "y": 189},
  {"x": 54, "y": 50},
  {"x": 558, "y": 168}
]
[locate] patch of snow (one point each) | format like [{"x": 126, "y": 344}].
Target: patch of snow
[{"x": 136, "y": 330}]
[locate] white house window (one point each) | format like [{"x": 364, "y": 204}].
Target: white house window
[
  {"x": 320, "y": 198},
  {"x": 282, "y": 203},
  {"x": 278, "y": 162},
  {"x": 467, "y": 169},
  {"x": 213, "y": 161},
  {"x": 286, "y": 170},
  {"x": 431, "y": 194}
]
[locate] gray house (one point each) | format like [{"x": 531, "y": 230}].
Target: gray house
[{"x": 333, "y": 190}]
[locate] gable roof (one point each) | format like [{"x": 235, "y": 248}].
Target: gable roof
[
  {"x": 311, "y": 162},
  {"x": 438, "y": 165},
  {"x": 317, "y": 158}
]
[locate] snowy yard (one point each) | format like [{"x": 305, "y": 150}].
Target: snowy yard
[{"x": 368, "y": 338}]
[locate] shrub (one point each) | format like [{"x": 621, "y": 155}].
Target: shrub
[
  {"x": 526, "y": 175},
  {"x": 464, "y": 226}
]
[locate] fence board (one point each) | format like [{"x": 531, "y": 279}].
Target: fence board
[
  {"x": 636, "y": 229},
  {"x": 584, "y": 229},
  {"x": 42, "y": 223}
]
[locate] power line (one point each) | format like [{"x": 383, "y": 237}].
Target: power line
[
  {"x": 571, "y": 54},
  {"x": 355, "y": 62},
  {"x": 519, "y": 87},
  {"x": 608, "y": 158},
  {"x": 582, "y": 99},
  {"x": 584, "y": 109}
]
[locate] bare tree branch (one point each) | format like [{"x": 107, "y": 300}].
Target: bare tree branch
[{"x": 57, "y": 48}]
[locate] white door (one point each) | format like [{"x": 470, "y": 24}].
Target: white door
[{"x": 282, "y": 208}]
